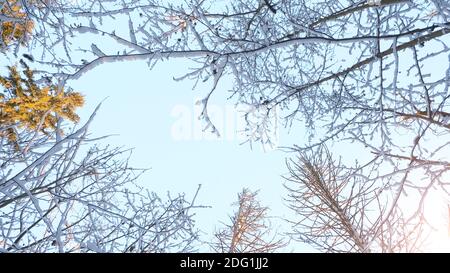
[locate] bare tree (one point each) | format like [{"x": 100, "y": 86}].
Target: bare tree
[
  {"x": 64, "y": 196},
  {"x": 340, "y": 211},
  {"x": 68, "y": 193},
  {"x": 249, "y": 230}
]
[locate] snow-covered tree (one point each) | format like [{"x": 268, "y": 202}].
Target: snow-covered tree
[
  {"x": 374, "y": 74},
  {"x": 250, "y": 229},
  {"x": 60, "y": 189},
  {"x": 73, "y": 195},
  {"x": 340, "y": 210}
]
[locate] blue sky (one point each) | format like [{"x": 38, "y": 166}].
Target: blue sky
[{"x": 141, "y": 108}]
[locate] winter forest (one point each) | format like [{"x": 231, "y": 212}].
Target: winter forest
[{"x": 225, "y": 126}]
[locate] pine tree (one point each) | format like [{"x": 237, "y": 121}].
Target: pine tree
[
  {"x": 12, "y": 30},
  {"x": 24, "y": 104}
]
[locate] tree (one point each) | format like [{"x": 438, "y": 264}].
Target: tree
[
  {"x": 369, "y": 73},
  {"x": 63, "y": 197},
  {"x": 340, "y": 211},
  {"x": 249, "y": 230},
  {"x": 61, "y": 191},
  {"x": 25, "y": 104},
  {"x": 15, "y": 24}
]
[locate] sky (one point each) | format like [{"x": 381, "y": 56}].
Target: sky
[{"x": 157, "y": 116}]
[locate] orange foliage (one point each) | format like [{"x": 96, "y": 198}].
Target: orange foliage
[
  {"x": 14, "y": 30},
  {"x": 26, "y": 105}
]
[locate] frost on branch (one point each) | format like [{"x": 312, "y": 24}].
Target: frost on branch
[
  {"x": 69, "y": 197},
  {"x": 262, "y": 123},
  {"x": 371, "y": 74},
  {"x": 339, "y": 209},
  {"x": 249, "y": 230}
]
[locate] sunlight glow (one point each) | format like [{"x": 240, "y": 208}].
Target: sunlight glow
[{"x": 437, "y": 210}]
